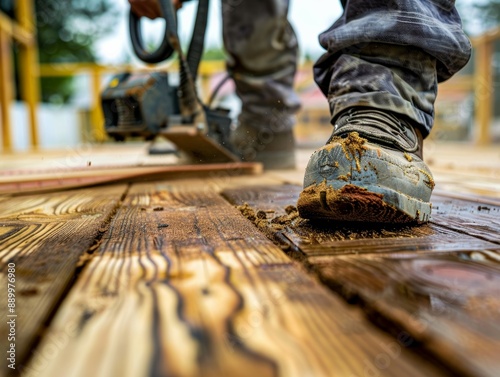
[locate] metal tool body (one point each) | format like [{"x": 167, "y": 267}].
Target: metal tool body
[{"x": 147, "y": 105}]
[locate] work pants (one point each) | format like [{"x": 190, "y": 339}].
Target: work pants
[{"x": 384, "y": 54}]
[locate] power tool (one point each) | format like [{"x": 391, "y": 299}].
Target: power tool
[{"x": 148, "y": 105}]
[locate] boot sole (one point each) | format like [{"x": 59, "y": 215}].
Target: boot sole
[{"x": 351, "y": 203}]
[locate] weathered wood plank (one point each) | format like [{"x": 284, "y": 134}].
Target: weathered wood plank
[
  {"x": 44, "y": 237},
  {"x": 183, "y": 285},
  {"x": 476, "y": 217},
  {"x": 450, "y": 302},
  {"x": 487, "y": 185},
  {"x": 324, "y": 238},
  {"x": 44, "y": 180},
  {"x": 469, "y": 197},
  {"x": 439, "y": 285}
]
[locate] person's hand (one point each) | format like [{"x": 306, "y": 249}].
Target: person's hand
[{"x": 150, "y": 8}]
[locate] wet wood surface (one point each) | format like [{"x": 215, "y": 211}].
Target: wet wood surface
[
  {"x": 439, "y": 283},
  {"x": 449, "y": 301},
  {"x": 183, "y": 285},
  {"x": 44, "y": 237},
  {"x": 169, "y": 278},
  {"x": 479, "y": 217},
  {"x": 456, "y": 224}
]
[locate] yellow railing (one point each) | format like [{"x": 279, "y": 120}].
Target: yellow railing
[
  {"x": 96, "y": 71},
  {"x": 480, "y": 83},
  {"x": 483, "y": 84},
  {"x": 21, "y": 30}
]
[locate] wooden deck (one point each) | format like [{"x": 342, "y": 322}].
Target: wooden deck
[{"x": 179, "y": 277}]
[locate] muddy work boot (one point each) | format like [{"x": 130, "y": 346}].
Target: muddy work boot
[
  {"x": 275, "y": 150},
  {"x": 370, "y": 170}
]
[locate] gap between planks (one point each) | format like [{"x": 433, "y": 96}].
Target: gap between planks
[
  {"x": 439, "y": 282},
  {"x": 183, "y": 285},
  {"x": 51, "y": 236},
  {"x": 44, "y": 236}
]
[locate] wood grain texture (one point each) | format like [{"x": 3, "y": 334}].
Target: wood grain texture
[
  {"x": 450, "y": 229},
  {"x": 478, "y": 217},
  {"x": 450, "y": 302},
  {"x": 44, "y": 180},
  {"x": 45, "y": 237},
  {"x": 439, "y": 282},
  {"x": 183, "y": 285},
  {"x": 459, "y": 182}
]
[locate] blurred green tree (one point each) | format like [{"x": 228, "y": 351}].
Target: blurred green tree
[
  {"x": 489, "y": 12},
  {"x": 66, "y": 33},
  {"x": 479, "y": 16},
  {"x": 214, "y": 53},
  {"x": 7, "y": 6}
]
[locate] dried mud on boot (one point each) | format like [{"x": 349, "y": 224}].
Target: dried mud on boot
[
  {"x": 349, "y": 204},
  {"x": 352, "y": 145}
]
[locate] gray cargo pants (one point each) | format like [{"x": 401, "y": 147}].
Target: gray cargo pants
[
  {"x": 383, "y": 54},
  {"x": 263, "y": 52}
]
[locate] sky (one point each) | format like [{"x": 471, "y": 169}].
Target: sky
[{"x": 308, "y": 18}]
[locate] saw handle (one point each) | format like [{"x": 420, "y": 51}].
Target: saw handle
[{"x": 165, "y": 50}]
